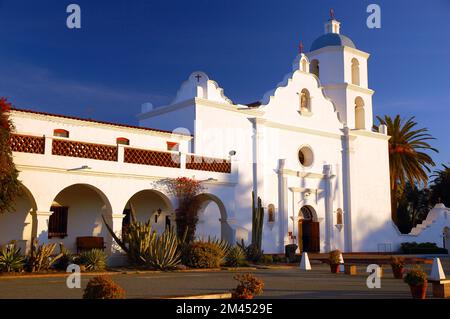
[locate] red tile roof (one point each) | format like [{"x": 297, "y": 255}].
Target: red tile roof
[{"x": 96, "y": 121}]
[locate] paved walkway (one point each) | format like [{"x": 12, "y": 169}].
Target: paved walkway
[{"x": 279, "y": 283}]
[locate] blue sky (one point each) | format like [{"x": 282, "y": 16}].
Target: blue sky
[{"x": 131, "y": 52}]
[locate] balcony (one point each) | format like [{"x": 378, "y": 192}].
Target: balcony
[{"x": 62, "y": 147}]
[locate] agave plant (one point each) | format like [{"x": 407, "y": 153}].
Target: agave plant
[
  {"x": 10, "y": 259},
  {"x": 164, "y": 252},
  {"x": 235, "y": 257},
  {"x": 41, "y": 256},
  {"x": 143, "y": 246},
  {"x": 93, "y": 260}
]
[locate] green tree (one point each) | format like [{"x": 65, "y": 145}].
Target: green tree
[
  {"x": 10, "y": 186},
  {"x": 440, "y": 188},
  {"x": 413, "y": 207},
  {"x": 408, "y": 160}
]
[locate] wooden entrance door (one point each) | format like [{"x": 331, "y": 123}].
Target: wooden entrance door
[{"x": 309, "y": 236}]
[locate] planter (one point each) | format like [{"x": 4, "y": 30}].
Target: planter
[
  {"x": 419, "y": 292},
  {"x": 398, "y": 272},
  {"x": 334, "y": 268}
]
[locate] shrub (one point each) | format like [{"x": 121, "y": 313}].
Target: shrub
[
  {"x": 422, "y": 248},
  {"x": 334, "y": 257},
  {"x": 102, "y": 287},
  {"x": 11, "y": 260},
  {"x": 252, "y": 252},
  {"x": 203, "y": 255},
  {"x": 397, "y": 263},
  {"x": 416, "y": 277},
  {"x": 266, "y": 259},
  {"x": 66, "y": 259},
  {"x": 235, "y": 257},
  {"x": 41, "y": 257},
  {"x": 279, "y": 259},
  {"x": 248, "y": 287},
  {"x": 93, "y": 260}
]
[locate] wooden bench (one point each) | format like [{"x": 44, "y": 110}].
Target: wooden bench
[
  {"x": 90, "y": 242},
  {"x": 441, "y": 288}
]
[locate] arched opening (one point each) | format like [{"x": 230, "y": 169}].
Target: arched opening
[
  {"x": 77, "y": 212},
  {"x": 305, "y": 101},
  {"x": 17, "y": 225},
  {"x": 212, "y": 219},
  {"x": 314, "y": 67},
  {"x": 150, "y": 205},
  {"x": 360, "y": 120},
  {"x": 304, "y": 65},
  {"x": 308, "y": 230},
  {"x": 355, "y": 71}
]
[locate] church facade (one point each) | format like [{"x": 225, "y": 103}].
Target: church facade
[{"x": 308, "y": 149}]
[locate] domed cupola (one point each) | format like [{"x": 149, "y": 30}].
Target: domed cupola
[{"x": 332, "y": 36}]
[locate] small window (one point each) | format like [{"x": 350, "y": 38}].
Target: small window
[
  {"x": 57, "y": 224},
  {"x": 339, "y": 214},
  {"x": 173, "y": 146},
  {"x": 60, "y": 133},
  {"x": 122, "y": 141},
  {"x": 314, "y": 67},
  {"x": 305, "y": 156},
  {"x": 271, "y": 211}
]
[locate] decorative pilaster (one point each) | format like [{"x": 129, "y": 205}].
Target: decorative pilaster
[
  {"x": 116, "y": 226},
  {"x": 328, "y": 208},
  {"x": 282, "y": 206},
  {"x": 41, "y": 220}
]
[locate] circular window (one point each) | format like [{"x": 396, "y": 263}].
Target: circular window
[{"x": 305, "y": 156}]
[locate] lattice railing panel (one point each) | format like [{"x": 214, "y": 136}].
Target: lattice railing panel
[
  {"x": 27, "y": 144},
  {"x": 84, "y": 150},
  {"x": 155, "y": 158},
  {"x": 208, "y": 164}
]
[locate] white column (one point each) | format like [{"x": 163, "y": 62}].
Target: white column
[
  {"x": 41, "y": 220},
  {"x": 328, "y": 208},
  {"x": 282, "y": 206},
  {"x": 117, "y": 229}
]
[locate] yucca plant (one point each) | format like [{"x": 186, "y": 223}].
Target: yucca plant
[
  {"x": 10, "y": 259},
  {"x": 93, "y": 260},
  {"x": 41, "y": 257}
]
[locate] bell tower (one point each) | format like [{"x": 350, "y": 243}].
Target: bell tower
[{"x": 342, "y": 72}]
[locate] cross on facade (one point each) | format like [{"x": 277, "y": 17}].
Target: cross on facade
[
  {"x": 300, "y": 48},
  {"x": 198, "y": 77}
]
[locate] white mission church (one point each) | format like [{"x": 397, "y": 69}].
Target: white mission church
[{"x": 307, "y": 148}]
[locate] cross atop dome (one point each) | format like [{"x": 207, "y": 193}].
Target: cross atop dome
[{"x": 332, "y": 25}]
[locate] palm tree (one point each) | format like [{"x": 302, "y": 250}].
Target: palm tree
[
  {"x": 441, "y": 185},
  {"x": 407, "y": 159}
]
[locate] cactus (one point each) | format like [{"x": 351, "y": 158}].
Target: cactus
[{"x": 257, "y": 222}]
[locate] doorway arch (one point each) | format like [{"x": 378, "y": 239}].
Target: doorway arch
[
  {"x": 308, "y": 230},
  {"x": 212, "y": 217}
]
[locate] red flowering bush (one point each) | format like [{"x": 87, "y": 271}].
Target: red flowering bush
[
  {"x": 248, "y": 287},
  {"x": 185, "y": 190},
  {"x": 10, "y": 187}
]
